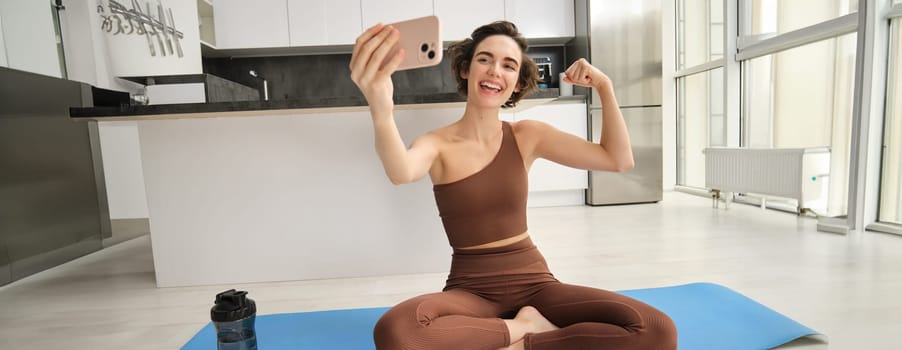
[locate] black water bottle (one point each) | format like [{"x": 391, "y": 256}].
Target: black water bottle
[{"x": 233, "y": 316}]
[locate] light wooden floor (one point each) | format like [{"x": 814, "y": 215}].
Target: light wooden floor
[{"x": 849, "y": 287}]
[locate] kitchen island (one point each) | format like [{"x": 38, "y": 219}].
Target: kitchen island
[{"x": 257, "y": 191}]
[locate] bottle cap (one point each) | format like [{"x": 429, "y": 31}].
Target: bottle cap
[{"x": 232, "y": 305}]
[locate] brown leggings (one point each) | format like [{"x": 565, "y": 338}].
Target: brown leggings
[{"x": 488, "y": 285}]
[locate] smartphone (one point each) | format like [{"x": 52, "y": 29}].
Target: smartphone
[{"x": 421, "y": 40}]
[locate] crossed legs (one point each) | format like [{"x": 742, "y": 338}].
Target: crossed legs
[
  {"x": 588, "y": 319},
  {"x": 451, "y": 320},
  {"x": 592, "y": 318}
]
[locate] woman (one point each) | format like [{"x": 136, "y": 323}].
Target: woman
[{"x": 499, "y": 293}]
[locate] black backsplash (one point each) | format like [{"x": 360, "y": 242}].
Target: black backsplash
[{"x": 323, "y": 76}]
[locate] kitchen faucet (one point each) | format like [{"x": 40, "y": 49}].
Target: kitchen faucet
[{"x": 254, "y": 74}]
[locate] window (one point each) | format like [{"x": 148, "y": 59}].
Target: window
[
  {"x": 700, "y": 36},
  {"x": 700, "y": 123},
  {"x": 796, "y": 81},
  {"x": 802, "y": 97},
  {"x": 891, "y": 179},
  {"x": 770, "y": 17},
  {"x": 700, "y": 120}
]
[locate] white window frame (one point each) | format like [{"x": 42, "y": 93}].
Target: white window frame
[{"x": 883, "y": 31}]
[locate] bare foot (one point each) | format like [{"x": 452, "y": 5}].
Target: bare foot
[
  {"x": 528, "y": 320},
  {"x": 537, "y": 322},
  {"x": 515, "y": 346}
]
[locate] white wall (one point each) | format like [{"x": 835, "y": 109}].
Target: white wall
[
  {"x": 121, "y": 155},
  {"x": 29, "y": 37}
]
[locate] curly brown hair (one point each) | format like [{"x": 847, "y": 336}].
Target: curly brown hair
[{"x": 462, "y": 53}]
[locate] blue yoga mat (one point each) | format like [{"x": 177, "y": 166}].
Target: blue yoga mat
[{"x": 707, "y": 316}]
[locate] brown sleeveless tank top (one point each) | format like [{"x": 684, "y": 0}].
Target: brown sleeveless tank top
[{"x": 489, "y": 205}]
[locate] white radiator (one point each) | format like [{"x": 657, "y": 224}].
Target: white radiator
[{"x": 796, "y": 173}]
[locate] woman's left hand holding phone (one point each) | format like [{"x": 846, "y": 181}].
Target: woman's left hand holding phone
[{"x": 372, "y": 77}]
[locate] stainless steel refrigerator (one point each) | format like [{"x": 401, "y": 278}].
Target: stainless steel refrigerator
[{"x": 623, "y": 39}]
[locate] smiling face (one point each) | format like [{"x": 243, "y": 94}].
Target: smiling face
[
  {"x": 484, "y": 62},
  {"x": 493, "y": 72}
]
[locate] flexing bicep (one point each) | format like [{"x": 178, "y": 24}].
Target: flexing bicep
[{"x": 572, "y": 151}]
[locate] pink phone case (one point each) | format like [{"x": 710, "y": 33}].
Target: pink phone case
[{"x": 422, "y": 42}]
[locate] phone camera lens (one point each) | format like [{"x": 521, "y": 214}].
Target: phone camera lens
[
  {"x": 431, "y": 54},
  {"x": 424, "y": 47}
]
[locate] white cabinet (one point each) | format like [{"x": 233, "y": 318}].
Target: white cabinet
[
  {"x": 2, "y": 46},
  {"x": 242, "y": 24},
  {"x": 541, "y": 19},
  {"x": 545, "y": 175},
  {"x": 176, "y": 93},
  {"x": 316, "y": 23},
  {"x": 389, "y": 11},
  {"x": 28, "y": 37},
  {"x": 458, "y": 17},
  {"x": 205, "y": 22}
]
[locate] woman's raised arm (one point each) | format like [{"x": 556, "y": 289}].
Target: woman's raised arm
[
  {"x": 373, "y": 78},
  {"x": 613, "y": 153}
]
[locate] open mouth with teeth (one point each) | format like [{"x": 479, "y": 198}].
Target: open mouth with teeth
[{"x": 490, "y": 87}]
